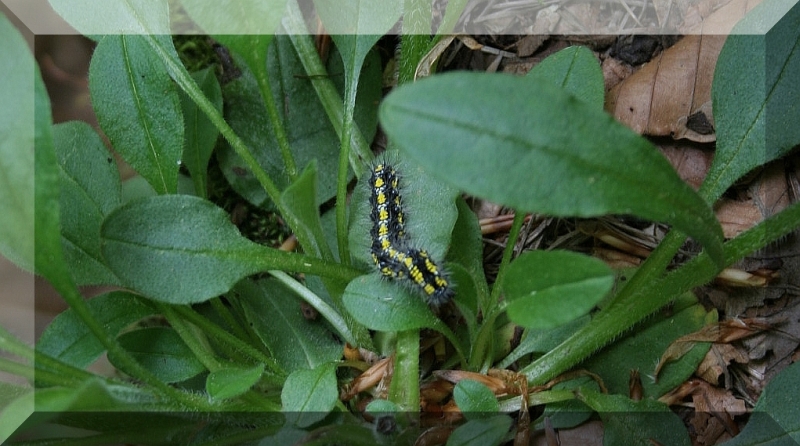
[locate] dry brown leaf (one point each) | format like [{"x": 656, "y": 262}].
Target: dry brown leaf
[
  {"x": 714, "y": 412},
  {"x": 671, "y": 95},
  {"x": 717, "y": 360},
  {"x": 722, "y": 332}
]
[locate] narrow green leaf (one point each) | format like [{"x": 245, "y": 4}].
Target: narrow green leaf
[
  {"x": 755, "y": 94},
  {"x": 160, "y": 246},
  {"x": 467, "y": 251},
  {"x": 576, "y": 71},
  {"x": 542, "y": 341},
  {"x": 481, "y": 432},
  {"x": 200, "y": 135},
  {"x": 354, "y": 17},
  {"x": 68, "y": 339},
  {"x": 299, "y": 200},
  {"x": 636, "y": 422},
  {"x": 138, "y": 108},
  {"x": 236, "y": 17},
  {"x": 99, "y": 17},
  {"x": 162, "y": 352},
  {"x": 23, "y": 98},
  {"x": 295, "y": 342},
  {"x": 538, "y": 149},
  {"x": 229, "y": 382},
  {"x": 774, "y": 419},
  {"x": 311, "y": 394},
  {"x": 90, "y": 190},
  {"x": 312, "y": 137},
  {"x": 475, "y": 400},
  {"x": 545, "y": 289}
]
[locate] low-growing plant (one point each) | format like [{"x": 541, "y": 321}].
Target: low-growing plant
[{"x": 205, "y": 325}]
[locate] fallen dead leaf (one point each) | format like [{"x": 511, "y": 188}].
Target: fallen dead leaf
[{"x": 671, "y": 94}]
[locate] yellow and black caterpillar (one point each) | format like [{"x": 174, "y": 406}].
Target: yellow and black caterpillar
[{"x": 391, "y": 250}]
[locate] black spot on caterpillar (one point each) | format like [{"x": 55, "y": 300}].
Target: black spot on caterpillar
[{"x": 390, "y": 249}]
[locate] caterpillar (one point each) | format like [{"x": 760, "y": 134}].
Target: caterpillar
[{"x": 390, "y": 249}]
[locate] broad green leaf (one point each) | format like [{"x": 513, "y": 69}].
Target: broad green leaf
[
  {"x": 138, "y": 107},
  {"x": 69, "y": 340},
  {"x": 474, "y": 399},
  {"x": 299, "y": 200},
  {"x": 545, "y": 289},
  {"x": 639, "y": 423},
  {"x": 162, "y": 352},
  {"x": 236, "y": 17},
  {"x": 755, "y": 94},
  {"x": 90, "y": 190},
  {"x": 229, "y": 382},
  {"x": 200, "y": 135},
  {"x": 774, "y": 419},
  {"x": 161, "y": 246},
  {"x": 311, "y": 394},
  {"x": 538, "y": 149},
  {"x": 98, "y": 17},
  {"x": 23, "y": 98},
  {"x": 383, "y": 305},
  {"x": 310, "y": 132},
  {"x": 296, "y": 343},
  {"x": 576, "y": 71},
  {"x": 481, "y": 432},
  {"x": 642, "y": 348}
]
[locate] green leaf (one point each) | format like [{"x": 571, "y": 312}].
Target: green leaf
[
  {"x": 538, "y": 149},
  {"x": 386, "y": 306},
  {"x": 274, "y": 312},
  {"x": 160, "y": 246},
  {"x": 162, "y": 352},
  {"x": 90, "y": 190},
  {"x": 641, "y": 423},
  {"x": 69, "y": 340},
  {"x": 481, "y": 432},
  {"x": 310, "y": 393},
  {"x": 200, "y": 135},
  {"x": 467, "y": 251},
  {"x": 542, "y": 341},
  {"x": 299, "y": 200},
  {"x": 15, "y": 411},
  {"x": 231, "y": 381},
  {"x": 576, "y": 71},
  {"x": 774, "y": 419},
  {"x": 474, "y": 399},
  {"x": 240, "y": 17},
  {"x": 641, "y": 350},
  {"x": 755, "y": 94},
  {"x": 312, "y": 137},
  {"x": 20, "y": 119},
  {"x": 545, "y": 289},
  {"x": 358, "y": 17},
  {"x": 98, "y": 17},
  {"x": 138, "y": 107}
]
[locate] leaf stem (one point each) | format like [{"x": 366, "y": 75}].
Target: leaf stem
[
  {"x": 327, "y": 311},
  {"x": 404, "y": 388}
]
